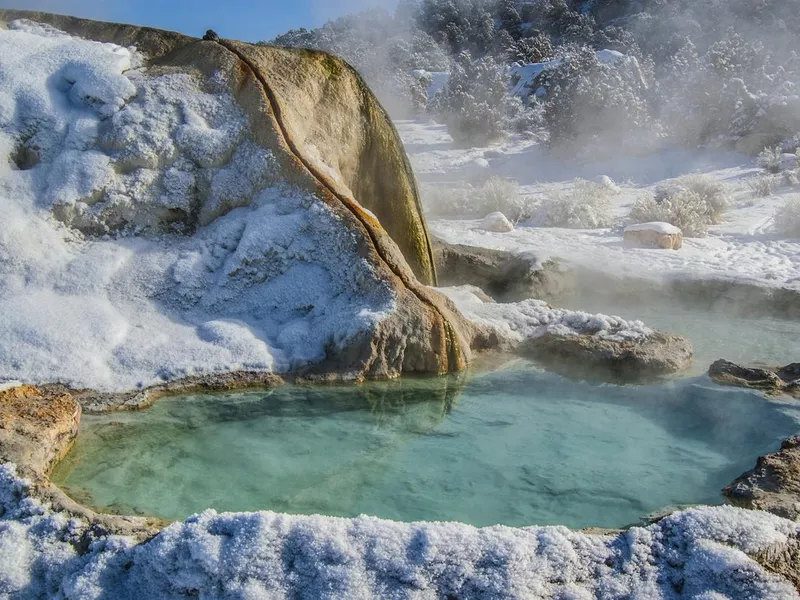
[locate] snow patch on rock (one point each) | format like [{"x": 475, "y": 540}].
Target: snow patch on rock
[
  {"x": 270, "y": 279},
  {"x": 520, "y": 321}
]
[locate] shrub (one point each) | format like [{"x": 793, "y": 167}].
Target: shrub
[
  {"x": 587, "y": 205},
  {"x": 762, "y": 186},
  {"x": 588, "y": 99},
  {"x": 475, "y": 103},
  {"x": 771, "y": 159},
  {"x": 714, "y": 195},
  {"x": 495, "y": 195},
  {"x": 685, "y": 209},
  {"x": 787, "y": 217}
]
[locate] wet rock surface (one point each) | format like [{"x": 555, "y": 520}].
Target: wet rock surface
[
  {"x": 773, "y": 484},
  {"x": 36, "y": 428},
  {"x": 778, "y": 380},
  {"x": 625, "y": 360},
  {"x": 505, "y": 276}
]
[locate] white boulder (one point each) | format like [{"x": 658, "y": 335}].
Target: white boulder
[
  {"x": 609, "y": 184},
  {"x": 496, "y": 222},
  {"x": 654, "y": 235}
]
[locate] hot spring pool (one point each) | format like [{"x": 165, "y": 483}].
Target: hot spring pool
[{"x": 517, "y": 446}]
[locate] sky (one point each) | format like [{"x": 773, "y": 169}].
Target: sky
[{"x": 248, "y": 20}]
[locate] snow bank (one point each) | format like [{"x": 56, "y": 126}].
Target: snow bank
[
  {"x": 104, "y": 170},
  {"x": 520, "y": 321},
  {"x": 699, "y": 553}
]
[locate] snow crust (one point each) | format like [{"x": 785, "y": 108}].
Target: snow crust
[
  {"x": 699, "y": 553},
  {"x": 657, "y": 226},
  {"x": 519, "y": 321},
  {"x": 269, "y": 280}
]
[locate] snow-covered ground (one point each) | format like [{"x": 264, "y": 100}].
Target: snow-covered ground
[
  {"x": 743, "y": 247},
  {"x": 699, "y": 553}
]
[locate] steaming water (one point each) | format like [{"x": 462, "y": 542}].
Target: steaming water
[
  {"x": 715, "y": 333},
  {"x": 516, "y": 446}
]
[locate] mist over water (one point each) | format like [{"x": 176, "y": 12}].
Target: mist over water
[{"x": 516, "y": 446}]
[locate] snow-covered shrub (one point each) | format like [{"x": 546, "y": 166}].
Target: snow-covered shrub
[
  {"x": 502, "y": 195},
  {"x": 771, "y": 159},
  {"x": 763, "y": 186},
  {"x": 787, "y": 218},
  {"x": 589, "y": 98},
  {"x": 532, "y": 49},
  {"x": 587, "y": 205},
  {"x": 495, "y": 195},
  {"x": 685, "y": 209},
  {"x": 475, "y": 103},
  {"x": 713, "y": 194}
]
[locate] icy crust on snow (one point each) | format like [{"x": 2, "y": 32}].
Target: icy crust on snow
[
  {"x": 700, "y": 553},
  {"x": 519, "y": 321},
  {"x": 273, "y": 284}
]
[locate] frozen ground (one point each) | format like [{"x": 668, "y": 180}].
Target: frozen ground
[
  {"x": 700, "y": 554},
  {"x": 742, "y": 248}
]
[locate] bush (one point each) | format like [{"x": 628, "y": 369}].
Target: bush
[
  {"x": 787, "y": 218},
  {"x": 475, "y": 103},
  {"x": 714, "y": 195},
  {"x": 495, "y": 195},
  {"x": 685, "y": 209},
  {"x": 762, "y": 186},
  {"x": 587, "y": 205},
  {"x": 588, "y": 99},
  {"x": 771, "y": 159}
]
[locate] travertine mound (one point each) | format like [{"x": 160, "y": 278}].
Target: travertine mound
[{"x": 312, "y": 128}]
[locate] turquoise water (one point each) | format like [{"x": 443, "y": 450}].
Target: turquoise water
[
  {"x": 516, "y": 446},
  {"x": 715, "y": 331}
]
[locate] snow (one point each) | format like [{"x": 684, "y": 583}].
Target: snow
[
  {"x": 524, "y": 75},
  {"x": 742, "y": 248},
  {"x": 657, "y": 226},
  {"x": 697, "y": 553},
  {"x": 520, "y": 321},
  {"x": 269, "y": 280}
]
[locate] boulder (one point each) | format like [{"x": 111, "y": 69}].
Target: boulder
[
  {"x": 609, "y": 184},
  {"x": 496, "y": 222},
  {"x": 777, "y": 380},
  {"x": 773, "y": 484},
  {"x": 654, "y": 355},
  {"x": 37, "y": 428},
  {"x": 505, "y": 276},
  {"x": 654, "y": 235},
  {"x": 572, "y": 343},
  {"x": 313, "y": 142}
]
